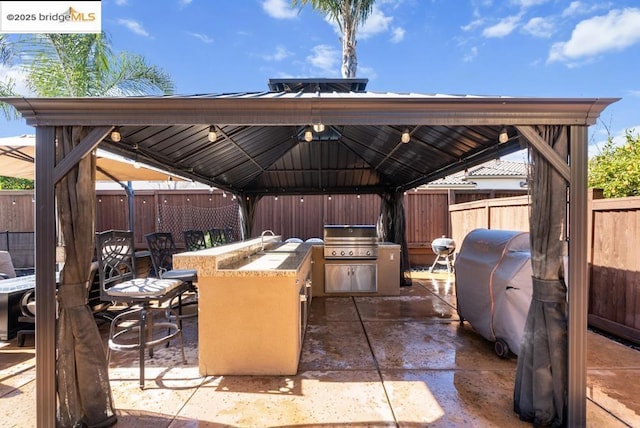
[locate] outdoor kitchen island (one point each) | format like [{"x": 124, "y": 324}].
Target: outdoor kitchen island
[{"x": 253, "y": 301}]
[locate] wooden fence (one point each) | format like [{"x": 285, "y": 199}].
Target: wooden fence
[
  {"x": 614, "y": 265},
  {"x": 427, "y": 213},
  {"x": 504, "y": 213}
]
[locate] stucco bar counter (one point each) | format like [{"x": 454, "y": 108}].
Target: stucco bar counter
[{"x": 253, "y": 305}]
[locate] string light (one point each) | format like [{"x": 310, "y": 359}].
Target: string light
[
  {"x": 405, "y": 136},
  {"x": 115, "y": 135},
  {"x": 212, "y": 136}
]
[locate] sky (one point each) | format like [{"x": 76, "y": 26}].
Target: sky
[{"x": 530, "y": 48}]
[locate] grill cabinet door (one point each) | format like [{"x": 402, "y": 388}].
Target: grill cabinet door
[
  {"x": 337, "y": 278},
  {"x": 351, "y": 277},
  {"x": 363, "y": 277}
]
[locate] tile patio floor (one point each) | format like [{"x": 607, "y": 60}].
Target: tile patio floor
[{"x": 379, "y": 362}]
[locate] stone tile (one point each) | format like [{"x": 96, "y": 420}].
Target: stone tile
[
  {"x": 327, "y": 398},
  {"x": 337, "y": 345},
  {"x": 452, "y": 398},
  {"x": 597, "y": 417},
  {"x": 407, "y": 307},
  {"x": 603, "y": 352},
  {"x": 327, "y": 309},
  {"x": 429, "y": 345},
  {"x": 17, "y": 367},
  {"x": 18, "y": 406},
  {"x": 616, "y": 390}
]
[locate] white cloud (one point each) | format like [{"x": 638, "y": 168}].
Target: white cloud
[
  {"x": 502, "y": 28},
  {"x": 376, "y": 23},
  {"x": 185, "y": 2},
  {"x": 471, "y": 55},
  {"x": 325, "y": 58},
  {"x": 280, "y": 54},
  {"x": 577, "y": 8},
  {"x": 134, "y": 26},
  {"x": 202, "y": 37},
  {"x": 279, "y": 9},
  {"x": 615, "y": 31},
  {"x": 529, "y": 3},
  {"x": 397, "y": 35},
  {"x": 18, "y": 77},
  {"x": 574, "y": 8},
  {"x": 121, "y": 2},
  {"x": 539, "y": 27},
  {"x": 635, "y": 93},
  {"x": 473, "y": 24}
]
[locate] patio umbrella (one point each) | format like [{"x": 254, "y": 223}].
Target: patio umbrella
[
  {"x": 84, "y": 391},
  {"x": 540, "y": 394},
  {"x": 17, "y": 160}
]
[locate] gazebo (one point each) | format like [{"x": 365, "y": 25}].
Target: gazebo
[{"x": 330, "y": 136}]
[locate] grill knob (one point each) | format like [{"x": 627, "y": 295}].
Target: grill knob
[
  {"x": 342, "y": 253},
  {"x": 333, "y": 253},
  {"x": 351, "y": 253},
  {"x": 368, "y": 252}
]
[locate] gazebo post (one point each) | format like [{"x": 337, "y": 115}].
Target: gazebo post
[
  {"x": 578, "y": 286},
  {"x": 45, "y": 237}
]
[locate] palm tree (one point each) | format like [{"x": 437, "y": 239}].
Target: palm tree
[
  {"x": 6, "y": 87},
  {"x": 77, "y": 65},
  {"x": 348, "y": 15},
  {"x": 83, "y": 65}
]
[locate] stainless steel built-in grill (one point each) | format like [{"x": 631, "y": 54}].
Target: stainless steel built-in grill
[{"x": 350, "y": 242}]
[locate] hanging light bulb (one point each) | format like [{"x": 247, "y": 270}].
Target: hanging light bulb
[
  {"x": 212, "y": 137},
  {"x": 318, "y": 127},
  {"x": 503, "y": 137},
  {"x": 275, "y": 197},
  {"x": 308, "y": 134},
  {"x": 301, "y": 198},
  {"x": 405, "y": 136},
  {"x": 115, "y": 135}
]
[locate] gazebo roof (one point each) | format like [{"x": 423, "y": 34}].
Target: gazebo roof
[{"x": 260, "y": 146}]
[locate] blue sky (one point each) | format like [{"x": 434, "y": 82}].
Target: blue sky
[{"x": 533, "y": 48}]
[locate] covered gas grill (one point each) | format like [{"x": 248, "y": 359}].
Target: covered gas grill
[{"x": 350, "y": 253}]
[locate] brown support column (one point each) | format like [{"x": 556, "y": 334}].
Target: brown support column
[
  {"x": 578, "y": 283},
  {"x": 45, "y": 263}
]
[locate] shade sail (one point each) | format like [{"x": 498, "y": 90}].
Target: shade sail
[{"x": 17, "y": 160}]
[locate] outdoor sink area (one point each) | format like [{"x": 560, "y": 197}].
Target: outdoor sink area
[
  {"x": 279, "y": 256},
  {"x": 260, "y": 287}
]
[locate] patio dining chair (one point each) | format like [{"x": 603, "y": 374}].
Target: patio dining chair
[
  {"x": 135, "y": 329},
  {"x": 162, "y": 247},
  {"x": 228, "y": 235},
  {"x": 217, "y": 236},
  {"x": 194, "y": 240}
]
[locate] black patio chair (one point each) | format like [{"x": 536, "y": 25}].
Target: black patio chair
[
  {"x": 135, "y": 329},
  {"x": 162, "y": 247},
  {"x": 228, "y": 235},
  {"x": 216, "y": 235},
  {"x": 194, "y": 240}
]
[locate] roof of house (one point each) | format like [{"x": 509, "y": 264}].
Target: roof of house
[{"x": 491, "y": 169}]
